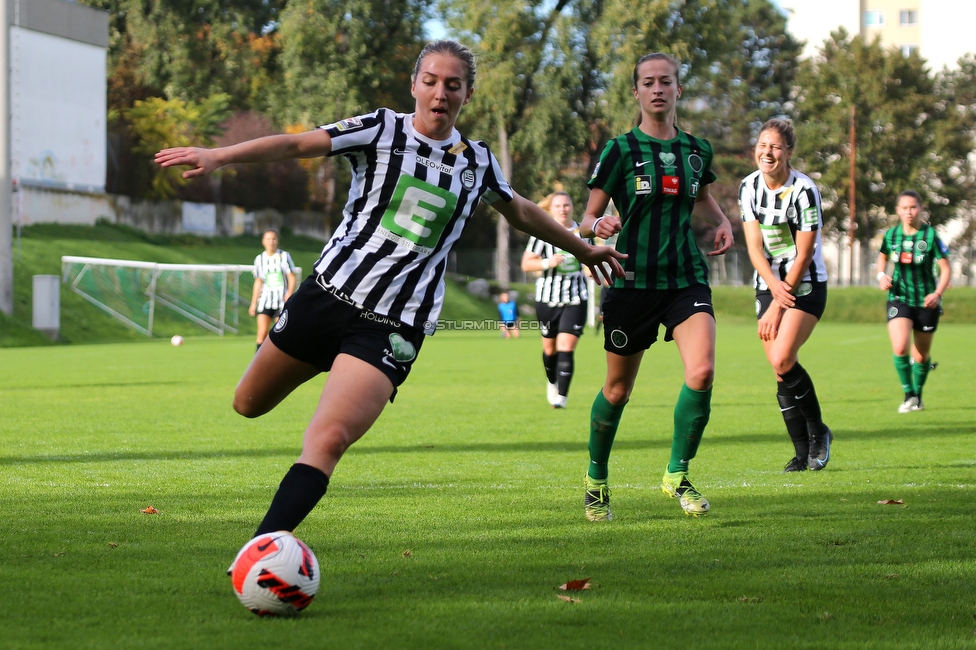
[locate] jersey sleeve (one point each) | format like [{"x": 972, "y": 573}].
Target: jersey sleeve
[
  {"x": 809, "y": 213},
  {"x": 287, "y": 264},
  {"x": 354, "y": 133},
  {"x": 496, "y": 186},
  {"x": 886, "y": 244},
  {"x": 534, "y": 246},
  {"x": 258, "y": 271},
  {"x": 606, "y": 175},
  {"x": 708, "y": 176},
  {"x": 747, "y": 200},
  {"x": 941, "y": 250}
]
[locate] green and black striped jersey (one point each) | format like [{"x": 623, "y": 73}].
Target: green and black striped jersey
[
  {"x": 915, "y": 275},
  {"x": 653, "y": 184}
]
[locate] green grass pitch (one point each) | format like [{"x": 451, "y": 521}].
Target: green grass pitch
[{"x": 453, "y": 522}]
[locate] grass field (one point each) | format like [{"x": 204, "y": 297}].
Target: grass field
[{"x": 453, "y": 521}]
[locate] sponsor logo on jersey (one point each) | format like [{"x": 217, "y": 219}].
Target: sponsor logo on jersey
[
  {"x": 667, "y": 158},
  {"x": 670, "y": 185},
  {"x": 642, "y": 163},
  {"x": 810, "y": 216},
  {"x": 467, "y": 179},
  {"x": 436, "y": 166},
  {"x": 696, "y": 163},
  {"x": 785, "y": 193},
  {"x": 693, "y": 188},
  {"x": 458, "y": 148},
  {"x": 595, "y": 170},
  {"x": 791, "y": 213},
  {"x": 417, "y": 214},
  {"x": 907, "y": 244},
  {"x": 618, "y": 338},
  {"x": 906, "y": 257},
  {"x": 921, "y": 246},
  {"x": 642, "y": 184},
  {"x": 347, "y": 124}
]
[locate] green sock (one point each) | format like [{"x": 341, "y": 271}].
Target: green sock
[
  {"x": 920, "y": 372},
  {"x": 903, "y": 366},
  {"x": 690, "y": 417},
  {"x": 604, "y": 419}
]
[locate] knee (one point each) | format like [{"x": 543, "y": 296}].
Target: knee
[
  {"x": 617, "y": 393},
  {"x": 246, "y": 406},
  {"x": 701, "y": 376},
  {"x": 781, "y": 363}
]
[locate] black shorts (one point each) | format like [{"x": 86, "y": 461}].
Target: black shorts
[
  {"x": 812, "y": 301},
  {"x": 553, "y": 321},
  {"x": 273, "y": 313},
  {"x": 319, "y": 323},
  {"x": 631, "y": 317},
  {"x": 923, "y": 320},
  {"x": 510, "y": 324}
]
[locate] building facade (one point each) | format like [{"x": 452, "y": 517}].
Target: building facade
[{"x": 939, "y": 30}]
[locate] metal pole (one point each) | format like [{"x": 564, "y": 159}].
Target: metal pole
[
  {"x": 6, "y": 204},
  {"x": 852, "y": 194}
]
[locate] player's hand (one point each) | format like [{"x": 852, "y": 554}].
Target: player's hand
[
  {"x": 931, "y": 301},
  {"x": 782, "y": 294},
  {"x": 556, "y": 260},
  {"x": 884, "y": 282},
  {"x": 769, "y": 323},
  {"x": 252, "y": 310},
  {"x": 202, "y": 161},
  {"x": 604, "y": 263},
  {"x": 607, "y": 227},
  {"x": 723, "y": 238}
]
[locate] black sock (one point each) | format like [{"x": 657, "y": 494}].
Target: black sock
[
  {"x": 301, "y": 489},
  {"x": 800, "y": 387},
  {"x": 564, "y": 372},
  {"x": 549, "y": 363},
  {"x": 257, "y": 346},
  {"x": 796, "y": 424}
]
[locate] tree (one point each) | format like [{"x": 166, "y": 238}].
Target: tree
[{"x": 894, "y": 103}]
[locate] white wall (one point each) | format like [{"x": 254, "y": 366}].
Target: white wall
[
  {"x": 813, "y": 20},
  {"x": 58, "y": 106},
  {"x": 947, "y": 31}
]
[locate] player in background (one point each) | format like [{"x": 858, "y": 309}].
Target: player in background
[
  {"x": 560, "y": 300},
  {"x": 657, "y": 176},
  {"x": 378, "y": 287},
  {"x": 914, "y": 294},
  {"x": 274, "y": 282},
  {"x": 508, "y": 315},
  {"x": 782, "y": 218}
]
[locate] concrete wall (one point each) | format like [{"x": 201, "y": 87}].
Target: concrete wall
[{"x": 50, "y": 205}]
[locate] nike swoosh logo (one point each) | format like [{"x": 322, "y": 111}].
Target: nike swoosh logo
[
  {"x": 263, "y": 547},
  {"x": 399, "y": 152},
  {"x": 642, "y": 163},
  {"x": 802, "y": 396},
  {"x": 702, "y": 304},
  {"x": 387, "y": 361},
  {"x": 927, "y": 329}
]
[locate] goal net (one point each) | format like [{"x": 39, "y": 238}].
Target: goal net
[{"x": 145, "y": 294}]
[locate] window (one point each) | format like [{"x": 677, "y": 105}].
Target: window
[
  {"x": 874, "y": 18},
  {"x": 908, "y": 17},
  {"x": 906, "y": 50}
]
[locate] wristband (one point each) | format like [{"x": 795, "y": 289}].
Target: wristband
[
  {"x": 881, "y": 274},
  {"x": 593, "y": 227},
  {"x": 545, "y": 263}
]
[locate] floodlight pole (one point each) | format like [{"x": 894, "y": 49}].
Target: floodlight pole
[{"x": 6, "y": 202}]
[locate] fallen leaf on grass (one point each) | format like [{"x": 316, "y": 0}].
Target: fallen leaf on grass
[
  {"x": 568, "y": 599},
  {"x": 149, "y": 510},
  {"x": 408, "y": 553},
  {"x": 576, "y": 585},
  {"x": 891, "y": 502},
  {"x": 113, "y": 545}
]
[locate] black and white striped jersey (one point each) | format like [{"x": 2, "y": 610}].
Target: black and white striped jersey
[
  {"x": 273, "y": 271},
  {"x": 408, "y": 202},
  {"x": 564, "y": 284},
  {"x": 781, "y": 213}
]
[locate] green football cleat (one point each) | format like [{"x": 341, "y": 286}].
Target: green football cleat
[
  {"x": 596, "y": 500},
  {"x": 676, "y": 484}
]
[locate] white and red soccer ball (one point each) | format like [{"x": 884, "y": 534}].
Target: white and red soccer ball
[
  {"x": 275, "y": 574},
  {"x": 177, "y": 340}
]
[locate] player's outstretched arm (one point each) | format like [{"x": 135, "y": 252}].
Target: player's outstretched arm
[
  {"x": 272, "y": 148},
  {"x": 530, "y": 218}
]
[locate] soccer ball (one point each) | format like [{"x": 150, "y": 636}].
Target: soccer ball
[
  {"x": 275, "y": 574},
  {"x": 177, "y": 340}
]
